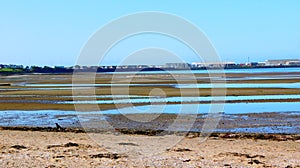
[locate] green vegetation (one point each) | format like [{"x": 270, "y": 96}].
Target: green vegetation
[{"x": 10, "y": 70}]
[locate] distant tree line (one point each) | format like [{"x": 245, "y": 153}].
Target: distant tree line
[
  {"x": 46, "y": 69},
  {"x": 8, "y": 69},
  {"x": 14, "y": 69}
]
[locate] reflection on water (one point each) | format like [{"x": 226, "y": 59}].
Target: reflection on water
[
  {"x": 234, "y": 113},
  {"x": 249, "y": 78},
  {"x": 44, "y": 118},
  {"x": 241, "y": 85},
  {"x": 199, "y": 85},
  {"x": 252, "y": 70},
  {"x": 94, "y": 85},
  {"x": 127, "y": 99},
  {"x": 267, "y": 129},
  {"x": 50, "y": 88},
  {"x": 229, "y": 108},
  {"x": 81, "y": 96},
  {"x": 144, "y": 99}
]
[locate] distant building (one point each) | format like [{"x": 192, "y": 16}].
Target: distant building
[
  {"x": 293, "y": 63},
  {"x": 253, "y": 64},
  {"x": 13, "y": 66},
  {"x": 92, "y": 67},
  {"x": 143, "y": 66},
  {"x": 280, "y": 62},
  {"x": 178, "y": 65},
  {"x": 261, "y": 64},
  {"x": 76, "y": 67},
  {"x": 213, "y": 64},
  {"x": 57, "y": 67}
]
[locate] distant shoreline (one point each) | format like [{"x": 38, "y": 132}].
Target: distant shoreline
[{"x": 100, "y": 70}]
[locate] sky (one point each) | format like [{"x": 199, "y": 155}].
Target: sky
[{"x": 34, "y": 32}]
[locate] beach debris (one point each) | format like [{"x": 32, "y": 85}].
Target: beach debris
[
  {"x": 59, "y": 156},
  {"x": 186, "y": 160},
  {"x": 59, "y": 127},
  {"x": 148, "y": 132},
  {"x": 128, "y": 143},
  {"x": 290, "y": 166},
  {"x": 19, "y": 147},
  {"x": 51, "y": 166},
  {"x": 53, "y": 146},
  {"x": 241, "y": 155},
  {"x": 274, "y": 137},
  {"x": 108, "y": 155},
  {"x": 5, "y": 84},
  {"x": 255, "y": 161},
  {"x": 70, "y": 144},
  {"x": 180, "y": 150},
  {"x": 192, "y": 135},
  {"x": 43, "y": 129}
]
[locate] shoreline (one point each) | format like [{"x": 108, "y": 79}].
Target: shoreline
[
  {"x": 71, "y": 71},
  {"x": 188, "y": 134}
]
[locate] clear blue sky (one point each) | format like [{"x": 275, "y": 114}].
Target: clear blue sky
[{"x": 34, "y": 32}]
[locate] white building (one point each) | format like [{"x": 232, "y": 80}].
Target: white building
[
  {"x": 281, "y": 62},
  {"x": 212, "y": 64}
]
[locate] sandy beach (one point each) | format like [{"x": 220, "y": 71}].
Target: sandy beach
[{"x": 67, "y": 149}]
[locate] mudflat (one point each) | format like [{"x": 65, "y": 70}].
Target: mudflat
[{"x": 44, "y": 91}]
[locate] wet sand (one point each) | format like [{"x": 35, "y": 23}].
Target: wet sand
[{"x": 157, "y": 124}]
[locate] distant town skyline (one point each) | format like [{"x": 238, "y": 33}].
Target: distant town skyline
[
  {"x": 53, "y": 32},
  {"x": 271, "y": 62}
]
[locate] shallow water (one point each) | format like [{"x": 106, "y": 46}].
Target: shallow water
[
  {"x": 202, "y": 85},
  {"x": 229, "y": 108},
  {"x": 232, "y": 112},
  {"x": 253, "y": 70},
  {"x": 267, "y": 129},
  {"x": 279, "y": 122},
  {"x": 43, "y": 118},
  {"x": 144, "y": 99},
  {"x": 93, "y": 85},
  {"x": 241, "y": 85},
  {"x": 50, "y": 88},
  {"x": 125, "y": 99}
]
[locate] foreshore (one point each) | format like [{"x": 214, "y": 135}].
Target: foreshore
[
  {"x": 67, "y": 149},
  {"x": 264, "y": 139}
]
